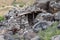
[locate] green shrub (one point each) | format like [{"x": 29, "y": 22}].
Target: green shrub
[
  {"x": 1, "y": 18},
  {"x": 49, "y": 32},
  {"x": 21, "y": 4}
]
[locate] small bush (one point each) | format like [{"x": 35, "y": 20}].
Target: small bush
[
  {"x": 21, "y": 4},
  {"x": 1, "y": 18},
  {"x": 49, "y": 32}
]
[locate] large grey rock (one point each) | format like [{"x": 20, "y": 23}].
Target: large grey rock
[
  {"x": 28, "y": 35},
  {"x": 36, "y": 38},
  {"x": 8, "y": 37},
  {"x": 44, "y": 17},
  {"x": 55, "y": 4},
  {"x": 57, "y": 15},
  {"x": 2, "y": 37},
  {"x": 41, "y": 26},
  {"x": 57, "y": 37},
  {"x": 42, "y": 1}
]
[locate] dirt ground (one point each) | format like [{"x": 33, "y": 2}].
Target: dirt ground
[{"x": 4, "y": 3}]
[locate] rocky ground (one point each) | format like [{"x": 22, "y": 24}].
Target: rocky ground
[{"x": 40, "y": 21}]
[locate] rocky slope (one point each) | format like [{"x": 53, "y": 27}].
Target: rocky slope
[{"x": 40, "y": 21}]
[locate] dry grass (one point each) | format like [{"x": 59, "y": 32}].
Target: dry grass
[
  {"x": 9, "y": 2},
  {"x": 4, "y": 3},
  {"x": 28, "y": 2},
  {"x": 4, "y": 11}
]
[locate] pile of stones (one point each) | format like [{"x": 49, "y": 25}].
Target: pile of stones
[{"x": 16, "y": 25}]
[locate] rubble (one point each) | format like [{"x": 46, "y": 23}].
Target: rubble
[{"x": 25, "y": 23}]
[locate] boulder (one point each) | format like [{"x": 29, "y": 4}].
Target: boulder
[
  {"x": 44, "y": 17},
  {"x": 54, "y": 6},
  {"x": 2, "y": 37},
  {"x": 57, "y": 16},
  {"x": 28, "y": 35},
  {"x": 8, "y": 37},
  {"x": 57, "y": 37},
  {"x": 41, "y": 26},
  {"x": 36, "y": 38}
]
